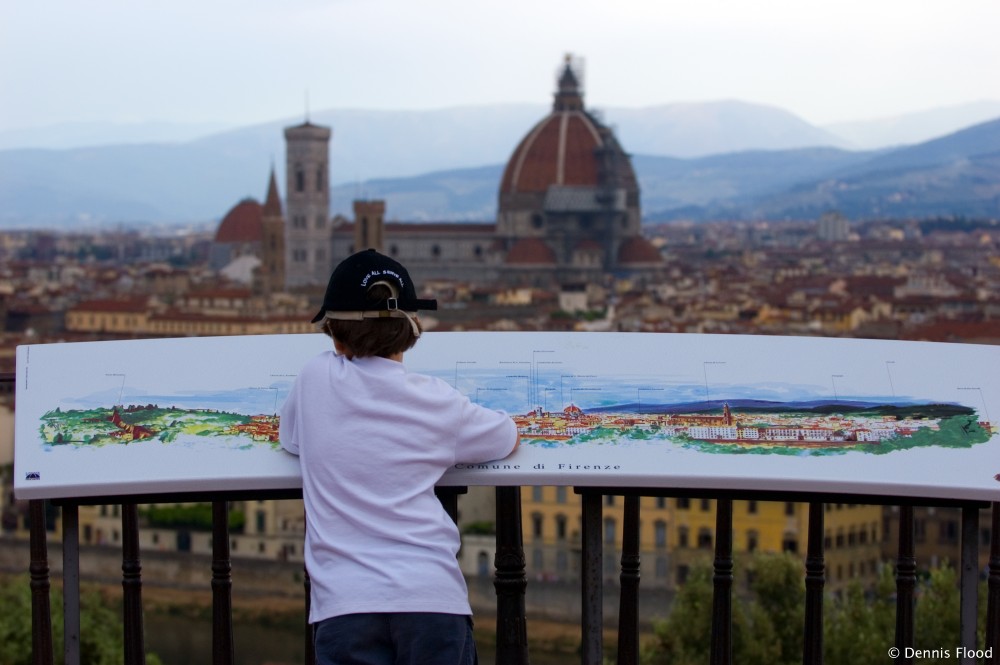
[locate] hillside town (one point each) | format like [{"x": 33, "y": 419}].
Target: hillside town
[{"x": 933, "y": 281}]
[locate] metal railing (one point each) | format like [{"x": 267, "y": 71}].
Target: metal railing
[{"x": 510, "y": 581}]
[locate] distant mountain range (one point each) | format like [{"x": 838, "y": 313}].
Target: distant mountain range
[
  {"x": 694, "y": 161},
  {"x": 956, "y": 175}
]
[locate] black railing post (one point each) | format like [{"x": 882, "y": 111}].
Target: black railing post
[
  {"x": 969, "y": 582},
  {"x": 310, "y": 642},
  {"x": 591, "y": 581},
  {"x": 71, "y": 583},
  {"x": 308, "y": 633},
  {"x": 448, "y": 496},
  {"x": 222, "y": 587},
  {"x": 38, "y": 569},
  {"x": 628, "y": 608},
  {"x": 722, "y": 599},
  {"x": 993, "y": 588},
  {"x": 135, "y": 650},
  {"x": 812, "y": 643},
  {"x": 906, "y": 581},
  {"x": 510, "y": 581}
]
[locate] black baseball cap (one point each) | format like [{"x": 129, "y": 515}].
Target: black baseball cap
[{"x": 347, "y": 292}]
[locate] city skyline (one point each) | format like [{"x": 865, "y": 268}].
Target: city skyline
[{"x": 241, "y": 63}]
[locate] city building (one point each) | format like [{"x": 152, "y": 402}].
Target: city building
[
  {"x": 678, "y": 533},
  {"x": 568, "y": 213},
  {"x": 307, "y": 205}
]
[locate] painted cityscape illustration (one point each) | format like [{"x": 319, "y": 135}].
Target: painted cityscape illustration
[
  {"x": 563, "y": 410},
  {"x": 857, "y": 416}
]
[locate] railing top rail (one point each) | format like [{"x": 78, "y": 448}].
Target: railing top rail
[{"x": 668, "y": 492}]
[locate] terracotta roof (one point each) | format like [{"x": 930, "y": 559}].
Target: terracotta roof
[
  {"x": 177, "y": 315},
  {"x": 638, "y": 250},
  {"x": 559, "y": 150},
  {"x": 442, "y": 227},
  {"x": 570, "y": 147},
  {"x": 138, "y": 304},
  {"x": 242, "y": 223},
  {"x": 987, "y": 332},
  {"x": 214, "y": 292},
  {"x": 588, "y": 245},
  {"x": 531, "y": 251},
  {"x": 393, "y": 228}
]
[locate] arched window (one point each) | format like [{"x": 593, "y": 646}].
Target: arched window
[{"x": 300, "y": 179}]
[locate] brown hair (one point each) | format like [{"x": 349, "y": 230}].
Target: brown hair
[{"x": 383, "y": 337}]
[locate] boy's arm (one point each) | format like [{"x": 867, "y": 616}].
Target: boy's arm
[
  {"x": 286, "y": 423},
  {"x": 485, "y": 435}
]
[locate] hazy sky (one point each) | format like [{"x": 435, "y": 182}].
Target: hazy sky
[{"x": 245, "y": 61}]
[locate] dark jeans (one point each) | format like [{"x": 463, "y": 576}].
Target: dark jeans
[{"x": 402, "y": 638}]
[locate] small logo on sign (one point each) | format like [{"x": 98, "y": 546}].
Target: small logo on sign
[{"x": 32, "y": 475}]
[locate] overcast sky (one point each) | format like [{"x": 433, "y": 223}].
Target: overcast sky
[{"x": 245, "y": 61}]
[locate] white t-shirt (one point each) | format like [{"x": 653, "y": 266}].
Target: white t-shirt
[{"x": 373, "y": 440}]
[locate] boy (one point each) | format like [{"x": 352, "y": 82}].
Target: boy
[{"x": 372, "y": 441}]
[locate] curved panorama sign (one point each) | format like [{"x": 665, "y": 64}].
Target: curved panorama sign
[{"x": 716, "y": 412}]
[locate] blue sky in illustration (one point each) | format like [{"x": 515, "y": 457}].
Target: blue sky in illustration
[
  {"x": 517, "y": 391},
  {"x": 254, "y": 400},
  {"x": 511, "y": 390}
]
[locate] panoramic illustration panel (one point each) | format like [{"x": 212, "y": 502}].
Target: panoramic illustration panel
[{"x": 629, "y": 409}]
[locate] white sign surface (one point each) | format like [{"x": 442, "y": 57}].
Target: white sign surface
[{"x": 721, "y": 412}]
